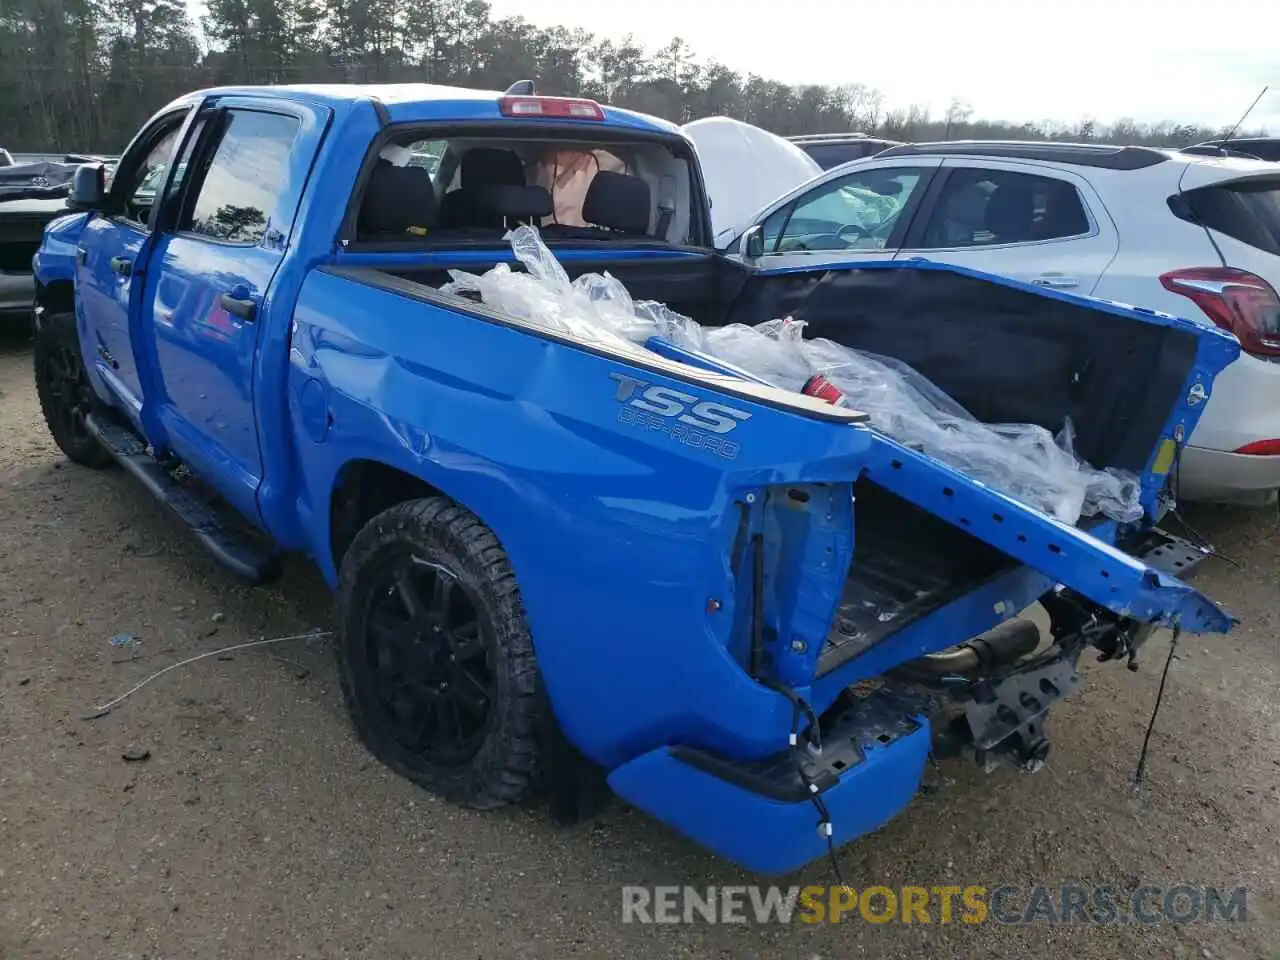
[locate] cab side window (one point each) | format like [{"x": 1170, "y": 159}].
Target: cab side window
[
  {"x": 238, "y": 187},
  {"x": 139, "y": 184},
  {"x": 978, "y": 208},
  {"x": 857, "y": 211}
]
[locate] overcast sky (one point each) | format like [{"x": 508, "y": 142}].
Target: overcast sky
[
  {"x": 1198, "y": 61},
  {"x": 1173, "y": 59}
]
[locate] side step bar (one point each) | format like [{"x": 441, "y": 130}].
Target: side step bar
[{"x": 229, "y": 547}]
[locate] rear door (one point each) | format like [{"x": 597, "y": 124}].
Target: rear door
[
  {"x": 1028, "y": 222},
  {"x": 209, "y": 275},
  {"x": 861, "y": 214}
]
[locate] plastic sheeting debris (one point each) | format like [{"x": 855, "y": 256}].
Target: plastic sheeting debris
[{"x": 1024, "y": 461}]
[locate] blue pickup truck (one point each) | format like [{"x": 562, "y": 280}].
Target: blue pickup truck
[{"x": 559, "y": 565}]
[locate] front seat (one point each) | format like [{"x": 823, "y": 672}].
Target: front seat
[
  {"x": 398, "y": 203},
  {"x": 482, "y": 167},
  {"x": 618, "y": 201},
  {"x": 1064, "y": 214}
]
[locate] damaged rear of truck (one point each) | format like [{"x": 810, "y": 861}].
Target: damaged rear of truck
[
  {"x": 758, "y": 615},
  {"x": 750, "y": 613}
]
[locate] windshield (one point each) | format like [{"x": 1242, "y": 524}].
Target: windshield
[{"x": 436, "y": 190}]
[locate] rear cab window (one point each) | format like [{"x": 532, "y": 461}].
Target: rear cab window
[{"x": 430, "y": 189}]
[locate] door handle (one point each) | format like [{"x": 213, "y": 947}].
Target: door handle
[
  {"x": 243, "y": 308},
  {"x": 1056, "y": 281},
  {"x": 122, "y": 266}
]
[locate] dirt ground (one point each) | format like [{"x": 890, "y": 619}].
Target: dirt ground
[{"x": 258, "y": 827}]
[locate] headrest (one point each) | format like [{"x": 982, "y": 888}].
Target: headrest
[
  {"x": 483, "y": 166},
  {"x": 618, "y": 201},
  {"x": 1010, "y": 210},
  {"x": 516, "y": 203},
  {"x": 396, "y": 199},
  {"x": 1064, "y": 216}
]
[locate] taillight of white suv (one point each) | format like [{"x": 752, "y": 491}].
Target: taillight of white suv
[{"x": 1236, "y": 300}]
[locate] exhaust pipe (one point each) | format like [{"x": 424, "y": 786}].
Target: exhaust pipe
[{"x": 1000, "y": 646}]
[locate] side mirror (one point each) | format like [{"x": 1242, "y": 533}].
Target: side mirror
[
  {"x": 88, "y": 187},
  {"x": 753, "y": 242}
]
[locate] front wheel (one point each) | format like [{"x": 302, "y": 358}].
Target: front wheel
[
  {"x": 63, "y": 388},
  {"x": 435, "y": 658}
]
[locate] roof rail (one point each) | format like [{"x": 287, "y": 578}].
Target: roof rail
[
  {"x": 521, "y": 88},
  {"x": 1103, "y": 156}
]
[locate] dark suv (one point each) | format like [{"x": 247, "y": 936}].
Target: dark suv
[{"x": 832, "y": 149}]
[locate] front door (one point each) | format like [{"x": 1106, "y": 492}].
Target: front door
[
  {"x": 209, "y": 275},
  {"x": 111, "y": 260}
]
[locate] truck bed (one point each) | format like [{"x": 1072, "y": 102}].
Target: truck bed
[
  {"x": 907, "y": 565},
  {"x": 1028, "y": 358}
]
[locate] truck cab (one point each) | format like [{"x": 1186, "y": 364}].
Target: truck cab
[{"x": 561, "y": 554}]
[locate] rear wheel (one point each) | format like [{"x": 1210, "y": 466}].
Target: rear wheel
[
  {"x": 63, "y": 388},
  {"x": 436, "y": 662}
]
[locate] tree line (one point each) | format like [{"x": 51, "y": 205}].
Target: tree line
[{"x": 83, "y": 75}]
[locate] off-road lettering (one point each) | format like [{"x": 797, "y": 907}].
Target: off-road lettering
[{"x": 687, "y": 408}]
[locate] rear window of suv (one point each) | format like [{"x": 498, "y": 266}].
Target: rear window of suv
[{"x": 1245, "y": 210}]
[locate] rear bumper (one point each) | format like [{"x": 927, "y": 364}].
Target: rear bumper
[
  {"x": 1222, "y": 477},
  {"x": 758, "y": 814},
  {"x": 1243, "y": 408}
]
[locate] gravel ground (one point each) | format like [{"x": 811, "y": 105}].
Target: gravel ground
[{"x": 258, "y": 827}]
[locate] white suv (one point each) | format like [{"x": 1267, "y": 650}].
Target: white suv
[{"x": 1194, "y": 236}]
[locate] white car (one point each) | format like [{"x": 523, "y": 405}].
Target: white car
[{"x": 1194, "y": 236}]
